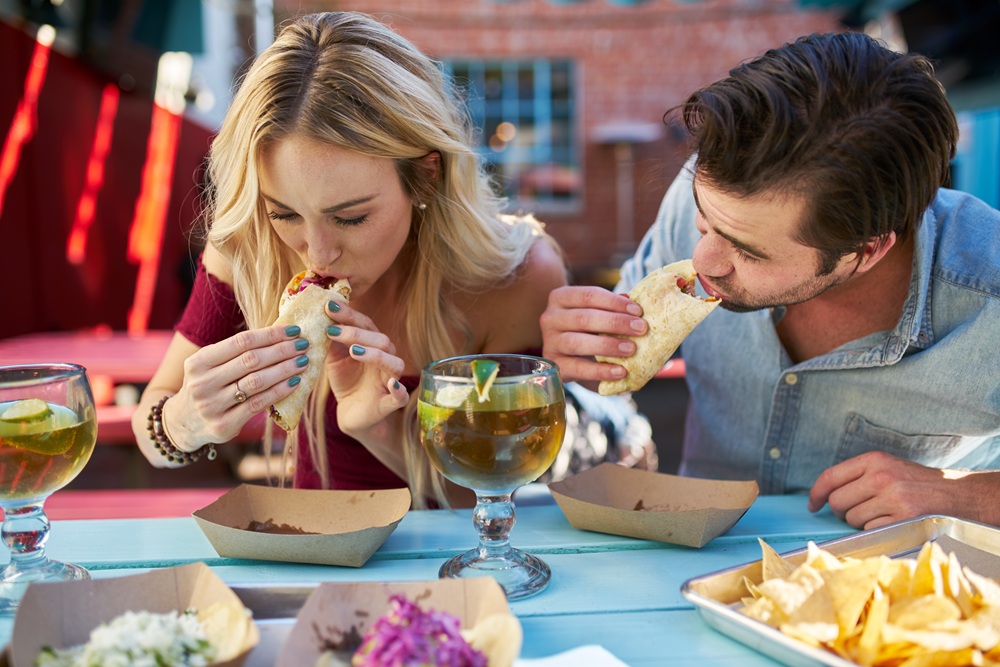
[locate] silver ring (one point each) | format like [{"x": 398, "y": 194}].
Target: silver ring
[{"x": 241, "y": 396}]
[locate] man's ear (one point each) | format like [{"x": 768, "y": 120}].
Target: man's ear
[{"x": 875, "y": 250}]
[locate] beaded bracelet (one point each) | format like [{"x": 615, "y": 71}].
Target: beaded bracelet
[{"x": 162, "y": 442}]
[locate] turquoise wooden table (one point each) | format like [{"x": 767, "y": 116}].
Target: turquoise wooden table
[{"x": 619, "y": 592}]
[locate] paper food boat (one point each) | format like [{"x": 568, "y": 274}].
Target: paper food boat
[
  {"x": 347, "y": 609},
  {"x": 62, "y": 614},
  {"x": 610, "y": 498},
  {"x": 335, "y": 527}
]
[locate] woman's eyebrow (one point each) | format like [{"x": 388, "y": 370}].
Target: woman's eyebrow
[{"x": 330, "y": 209}]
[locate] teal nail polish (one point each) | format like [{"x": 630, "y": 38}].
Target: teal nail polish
[
  {"x": 333, "y": 330},
  {"x": 302, "y": 361},
  {"x": 301, "y": 344},
  {"x": 395, "y": 384},
  {"x": 292, "y": 331},
  {"x": 294, "y": 381},
  {"x": 334, "y": 307},
  {"x": 357, "y": 349}
]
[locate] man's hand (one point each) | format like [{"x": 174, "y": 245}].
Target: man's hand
[
  {"x": 875, "y": 488},
  {"x": 571, "y": 328}
]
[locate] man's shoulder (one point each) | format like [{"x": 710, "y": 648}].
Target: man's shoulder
[{"x": 967, "y": 241}]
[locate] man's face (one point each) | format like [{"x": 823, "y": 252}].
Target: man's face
[{"x": 748, "y": 255}]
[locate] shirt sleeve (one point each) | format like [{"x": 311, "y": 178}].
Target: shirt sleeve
[
  {"x": 669, "y": 237},
  {"x": 211, "y": 313}
]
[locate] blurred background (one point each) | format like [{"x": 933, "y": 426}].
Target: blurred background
[{"x": 108, "y": 108}]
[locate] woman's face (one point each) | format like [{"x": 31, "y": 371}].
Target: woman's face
[{"x": 344, "y": 214}]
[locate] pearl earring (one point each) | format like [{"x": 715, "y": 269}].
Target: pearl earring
[{"x": 422, "y": 206}]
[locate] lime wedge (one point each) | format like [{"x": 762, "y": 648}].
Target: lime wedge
[
  {"x": 432, "y": 415},
  {"x": 28, "y": 410},
  {"x": 484, "y": 372}
]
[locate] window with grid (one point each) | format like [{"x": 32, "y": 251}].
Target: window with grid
[{"x": 523, "y": 112}]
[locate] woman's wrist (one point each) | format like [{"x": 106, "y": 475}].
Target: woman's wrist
[{"x": 165, "y": 445}]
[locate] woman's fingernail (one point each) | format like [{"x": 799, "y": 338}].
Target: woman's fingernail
[
  {"x": 638, "y": 325},
  {"x": 333, "y": 330},
  {"x": 395, "y": 384},
  {"x": 626, "y": 347},
  {"x": 292, "y": 331},
  {"x": 357, "y": 349},
  {"x": 334, "y": 307},
  {"x": 634, "y": 309},
  {"x": 301, "y": 344},
  {"x": 302, "y": 361},
  {"x": 294, "y": 381}
]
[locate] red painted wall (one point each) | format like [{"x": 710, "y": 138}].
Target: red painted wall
[{"x": 41, "y": 290}]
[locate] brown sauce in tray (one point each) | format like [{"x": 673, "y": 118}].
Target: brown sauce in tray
[{"x": 270, "y": 526}]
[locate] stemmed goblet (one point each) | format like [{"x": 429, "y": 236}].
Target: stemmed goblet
[
  {"x": 48, "y": 427},
  {"x": 492, "y": 423}
]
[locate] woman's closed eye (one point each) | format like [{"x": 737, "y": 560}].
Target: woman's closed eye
[
  {"x": 274, "y": 215},
  {"x": 352, "y": 222},
  {"x": 344, "y": 222}
]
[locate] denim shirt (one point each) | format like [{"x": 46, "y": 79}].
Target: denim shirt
[{"x": 927, "y": 391}]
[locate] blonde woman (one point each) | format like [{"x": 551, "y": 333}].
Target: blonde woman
[{"x": 344, "y": 154}]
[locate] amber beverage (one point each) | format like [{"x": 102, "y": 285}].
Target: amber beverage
[
  {"x": 41, "y": 456},
  {"x": 48, "y": 429},
  {"x": 493, "y": 451},
  {"x": 492, "y": 423}
]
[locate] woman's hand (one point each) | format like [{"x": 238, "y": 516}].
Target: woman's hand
[
  {"x": 227, "y": 383},
  {"x": 363, "y": 371}
]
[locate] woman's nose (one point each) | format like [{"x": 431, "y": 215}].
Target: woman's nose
[
  {"x": 711, "y": 257},
  {"x": 323, "y": 248}
]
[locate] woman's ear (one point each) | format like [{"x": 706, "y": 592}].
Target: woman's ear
[{"x": 430, "y": 167}]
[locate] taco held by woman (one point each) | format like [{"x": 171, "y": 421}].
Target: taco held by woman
[{"x": 343, "y": 154}]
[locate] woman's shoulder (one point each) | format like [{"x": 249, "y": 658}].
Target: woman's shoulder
[
  {"x": 507, "y": 317},
  {"x": 216, "y": 265}
]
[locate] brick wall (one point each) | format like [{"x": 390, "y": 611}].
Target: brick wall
[{"x": 634, "y": 62}]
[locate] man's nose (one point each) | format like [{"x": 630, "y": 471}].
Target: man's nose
[{"x": 712, "y": 257}]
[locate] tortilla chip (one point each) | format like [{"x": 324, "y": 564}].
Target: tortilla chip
[
  {"x": 307, "y": 309},
  {"x": 671, "y": 315}
]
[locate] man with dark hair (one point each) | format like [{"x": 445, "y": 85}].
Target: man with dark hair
[{"x": 855, "y": 353}]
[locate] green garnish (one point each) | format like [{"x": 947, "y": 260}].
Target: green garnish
[{"x": 484, "y": 372}]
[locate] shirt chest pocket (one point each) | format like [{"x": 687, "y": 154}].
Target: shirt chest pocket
[{"x": 862, "y": 436}]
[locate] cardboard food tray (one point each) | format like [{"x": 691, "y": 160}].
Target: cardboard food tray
[
  {"x": 613, "y": 499},
  {"x": 337, "y": 610},
  {"x": 716, "y": 596},
  {"x": 62, "y": 614},
  {"x": 347, "y": 526}
]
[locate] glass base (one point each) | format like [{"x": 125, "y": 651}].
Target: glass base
[
  {"x": 14, "y": 580},
  {"x": 519, "y": 573}
]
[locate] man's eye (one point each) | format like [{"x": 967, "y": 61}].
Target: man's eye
[
  {"x": 274, "y": 215},
  {"x": 745, "y": 256}
]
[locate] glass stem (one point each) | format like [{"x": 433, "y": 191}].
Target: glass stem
[
  {"x": 493, "y": 518},
  {"x": 25, "y": 531}
]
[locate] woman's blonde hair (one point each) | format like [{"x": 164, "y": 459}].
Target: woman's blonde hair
[{"x": 345, "y": 79}]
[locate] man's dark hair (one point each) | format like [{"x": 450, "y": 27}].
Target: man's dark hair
[{"x": 864, "y": 134}]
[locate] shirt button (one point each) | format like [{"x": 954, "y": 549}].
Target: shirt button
[
  {"x": 791, "y": 378},
  {"x": 774, "y": 453}
]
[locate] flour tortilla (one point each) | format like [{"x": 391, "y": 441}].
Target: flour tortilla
[
  {"x": 307, "y": 309},
  {"x": 671, "y": 314}
]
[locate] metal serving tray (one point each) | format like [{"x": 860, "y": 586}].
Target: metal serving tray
[
  {"x": 274, "y": 610},
  {"x": 717, "y": 595}
]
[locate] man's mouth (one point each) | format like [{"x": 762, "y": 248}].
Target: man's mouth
[{"x": 710, "y": 290}]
